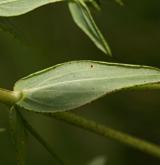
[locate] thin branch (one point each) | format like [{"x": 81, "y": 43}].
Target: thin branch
[
  {"x": 102, "y": 130},
  {"x": 37, "y": 136},
  {"x": 9, "y": 97}
]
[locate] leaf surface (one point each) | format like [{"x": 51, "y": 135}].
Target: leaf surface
[
  {"x": 73, "y": 84},
  {"x": 83, "y": 18},
  {"x": 18, "y": 7}
]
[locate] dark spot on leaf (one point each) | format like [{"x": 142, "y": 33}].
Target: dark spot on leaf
[{"x": 91, "y": 66}]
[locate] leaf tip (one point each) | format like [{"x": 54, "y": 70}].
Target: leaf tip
[{"x": 107, "y": 50}]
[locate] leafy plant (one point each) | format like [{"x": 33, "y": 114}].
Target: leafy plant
[
  {"x": 67, "y": 86},
  {"x": 78, "y": 8},
  {"x": 73, "y": 84},
  {"x": 55, "y": 91}
]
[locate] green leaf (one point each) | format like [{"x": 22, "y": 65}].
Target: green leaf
[
  {"x": 101, "y": 160},
  {"x": 94, "y": 3},
  {"x": 73, "y": 84},
  {"x": 18, "y": 7},
  {"x": 19, "y": 136},
  {"x": 83, "y": 18}
]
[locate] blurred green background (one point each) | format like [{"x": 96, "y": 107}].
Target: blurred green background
[{"x": 48, "y": 36}]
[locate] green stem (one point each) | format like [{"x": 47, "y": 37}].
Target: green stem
[
  {"x": 9, "y": 97},
  {"x": 100, "y": 129},
  {"x": 37, "y": 136}
]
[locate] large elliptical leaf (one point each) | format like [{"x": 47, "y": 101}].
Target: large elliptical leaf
[
  {"x": 19, "y": 135},
  {"x": 18, "y": 7},
  {"x": 73, "y": 84},
  {"x": 83, "y": 18}
]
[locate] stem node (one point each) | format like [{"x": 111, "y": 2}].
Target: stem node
[{"x": 9, "y": 97}]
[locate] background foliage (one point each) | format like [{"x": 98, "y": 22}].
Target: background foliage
[{"x": 51, "y": 37}]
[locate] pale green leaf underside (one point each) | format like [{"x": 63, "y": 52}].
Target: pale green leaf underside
[
  {"x": 18, "y": 7},
  {"x": 82, "y": 17},
  {"x": 73, "y": 84}
]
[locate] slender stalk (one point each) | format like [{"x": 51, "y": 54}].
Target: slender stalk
[
  {"x": 9, "y": 97},
  {"x": 37, "y": 136},
  {"x": 102, "y": 130}
]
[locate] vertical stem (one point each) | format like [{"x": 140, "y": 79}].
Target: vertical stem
[{"x": 40, "y": 139}]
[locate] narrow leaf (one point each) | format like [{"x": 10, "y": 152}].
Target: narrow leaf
[
  {"x": 94, "y": 3},
  {"x": 18, "y": 7},
  {"x": 73, "y": 84},
  {"x": 19, "y": 136},
  {"x": 83, "y": 18}
]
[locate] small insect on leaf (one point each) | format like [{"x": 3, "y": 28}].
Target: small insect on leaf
[
  {"x": 83, "y": 18},
  {"x": 72, "y": 84},
  {"x": 18, "y": 7}
]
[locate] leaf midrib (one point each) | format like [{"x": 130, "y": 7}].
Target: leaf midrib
[{"x": 87, "y": 79}]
